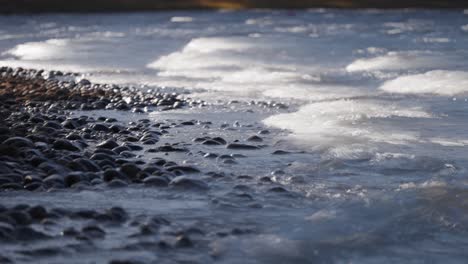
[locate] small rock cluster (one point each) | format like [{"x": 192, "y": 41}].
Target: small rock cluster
[
  {"x": 32, "y": 87},
  {"x": 42, "y": 147}
]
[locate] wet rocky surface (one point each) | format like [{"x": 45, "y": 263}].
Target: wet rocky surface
[{"x": 156, "y": 180}]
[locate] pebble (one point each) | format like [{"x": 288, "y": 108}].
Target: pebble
[
  {"x": 156, "y": 181},
  {"x": 63, "y": 144},
  {"x": 240, "y": 146},
  {"x": 188, "y": 183},
  {"x": 108, "y": 144}
]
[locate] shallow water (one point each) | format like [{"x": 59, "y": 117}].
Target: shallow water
[{"x": 377, "y": 121}]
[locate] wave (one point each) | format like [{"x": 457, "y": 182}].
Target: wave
[{"x": 439, "y": 82}]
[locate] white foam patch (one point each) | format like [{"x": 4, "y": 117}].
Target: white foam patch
[
  {"x": 181, "y": 19},
  {"x": 344, "y": 123},
  {"x": 397, "y": 61},
  {"x": 50, "y": 49},
  {"x": 438, "y": 82},
  {"x": 237, "y": 64},
  {"x": 316, "y": 92},
  {"x": 465, "y": 27}
]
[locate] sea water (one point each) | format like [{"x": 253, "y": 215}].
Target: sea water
[{"x": 377, "y": 119}]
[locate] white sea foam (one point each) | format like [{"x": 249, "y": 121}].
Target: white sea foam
[
  {"x": 465, "y": 27},
  {"x": 181, "y": 19},
  {"x": 438, "y": 82},
  {"x": 46, "y": 50},
  {"x": 410, "y": 60},
  {"x": 344, "y": 123}
]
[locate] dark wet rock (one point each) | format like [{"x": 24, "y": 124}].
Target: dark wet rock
[
  {"x": 93, "y": 231},
  {"x": 264, "y": 132},
  {"x": 211, "y": 142},
  {"x": 53, "y": 179},
  {"x": 120, "y": 149},
  {"x": 70, "y": 124},
  {"x": 278, "y": 189},
  {"x": 102, "y": 156},
  {"x": 37, "y": 212},
  {"x": 130, "y": 170},
  {"x": 51, "y": 168},
  {"x": 134, "y": 147},
  {"x": 183, "y": 241},
  {"x": 33, "y": 186},
  {"x": 183, "y": 169},
  {"x": 117, "y": 214},
  {"x": 89, "y": 165},
  {"x": 63, "y": 144},
  {"x": 278, "y": 173},
  {"x": 265, "y": 179},
  {"x": 74, "y": 136},
  {"x": 100, "y": 127},
  {"x": 125, "y": 261},
  {"x": 220, "y": 140},
  {"x": 4, "y": 259},
  {"x": 150, "y": 141},
  {"x": 210, "y": 155},
  {"x": 18, "y": 142},
  {"x": 53, "y": 124},
  {"x": 72, "y": 178},
  {"x": 20, "y": 217},
  {"x": 42, "y": 252},
  {"x": 108, "y": 144},
  {"x": 240, "y": 146},
  {"x": 244, "y": 177},
  {"x": 115, "y": 128},
  {"x": 255, "y": 138},
  {"x": 86, "y": 214},
  {"x": 188, "y": 183},
  {"x": 188, "y": 123},
  {"x": 112, "y": 174},
  {"x": 116, "y": 183},
  {"x": 26, "y": 233},
  {"x": 156, "y": 181},
  {"x": 105, "y": 151},
  {"x": 168, "y": 148},
  {"x": 70, "y": 232},
  {"x": 280, "y": 152}
]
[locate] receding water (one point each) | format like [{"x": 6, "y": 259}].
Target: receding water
[{"x": 377, "y": 120}]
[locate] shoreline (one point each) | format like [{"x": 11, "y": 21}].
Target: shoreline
[
  {"x": 109, "y": 6},
  {"x": 60, "y": 139}
]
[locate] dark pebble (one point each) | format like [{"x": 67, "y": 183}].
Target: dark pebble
[
  {"x": 156, "y": 181},
  {"x": 188, "y": 183},
  {"x": 241, "y": 146},
  {"x": 108, "y": 144}
]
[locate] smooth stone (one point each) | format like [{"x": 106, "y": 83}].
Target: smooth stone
[
  {"x": 156, "y": 181},
  {"x": 183, "y": 241},
  {"x": 93, "y": 231},
  {"x": 280, "y": 152},
  {"x": 210, "y": 156},
  {"x": 116, "y": 183},
  {"x": 129, "y": 169},
  {"x": 184, "y": 169},
  {"x": 241, "y": 146},
  {"x": 26, "y": 233},
  {"x": 62, "y": 144},
  {"x": 255, "y": 138},
  {"x": 184, "y": 182},
  {"x": 37, "y": 212},
  {"x": 111, "y": 174},
  {"x": 108, "y": 144},
  {"x": 100, "y": 127},
  {"x": 278, "y": 189},
  {"x": 18, "y": 142}
]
